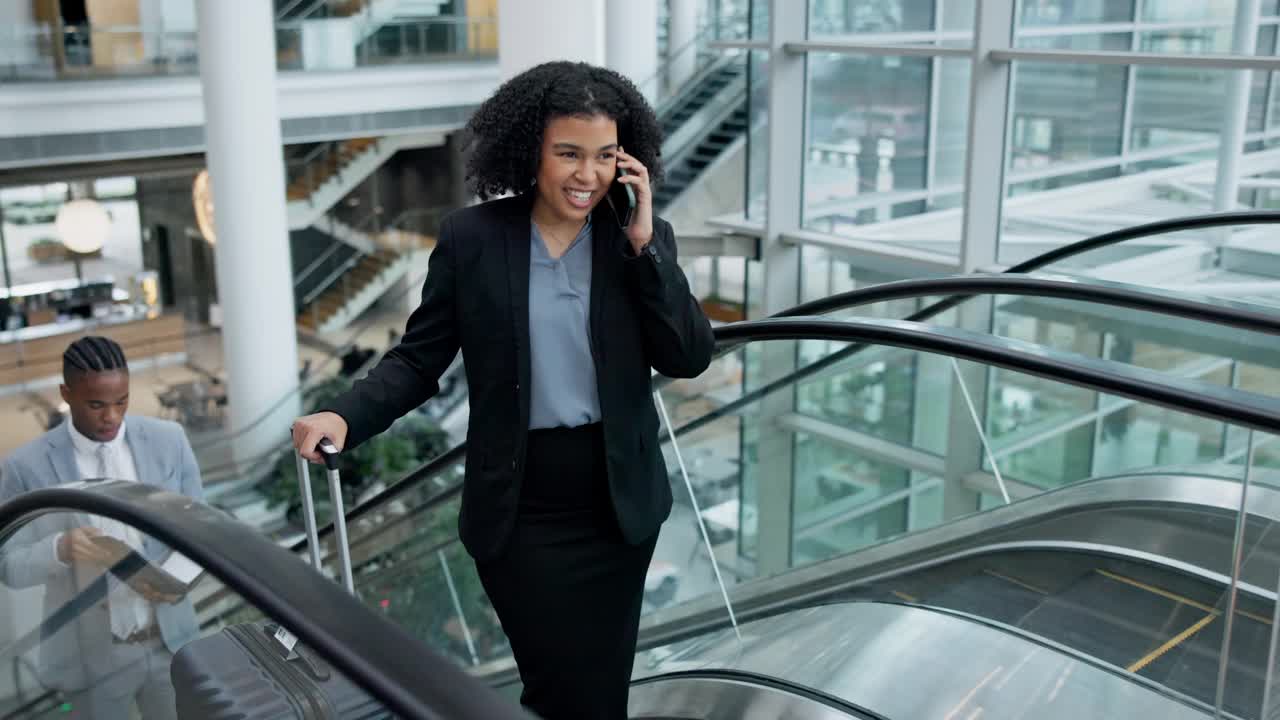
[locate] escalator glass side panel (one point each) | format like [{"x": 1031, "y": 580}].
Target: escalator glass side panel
[
  {"x": 1219, "y": 354},
  {"x": 410, "y": 568},
  {"x": 882, "y": 445},
  {"x": 1158, "y": 623},
  {"x": 864, "y": 652},
  {"x": 100, "y": 621},
  {"x": 1251, "y": 650}
]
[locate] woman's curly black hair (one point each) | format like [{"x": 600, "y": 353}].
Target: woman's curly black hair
[{"x": 505, "y": 134}]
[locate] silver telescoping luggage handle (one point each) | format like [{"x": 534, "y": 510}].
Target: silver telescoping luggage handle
[{"x": 330, "y": 454}]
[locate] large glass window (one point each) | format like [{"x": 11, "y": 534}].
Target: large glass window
[
  {"x": 841, "y": 17},
  {"x": 1066, "y": 113},
  {"x": 1177, "y": 106},
  {"x": 947, "y": 146},
  {"x": 867, "y": 139},
  {"x": 1183, "y": 11},
  {"x": 845, "y": 501},
  {"x": 957, "y": 15},
  {"x": 1071, "y": 12}
]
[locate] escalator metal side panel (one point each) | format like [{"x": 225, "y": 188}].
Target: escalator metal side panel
[
  {"x": 906, "y": 662},
  {"x": 1054, "y": 516}
]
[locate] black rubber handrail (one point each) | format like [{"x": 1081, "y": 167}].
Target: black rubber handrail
[
  {"x": 332, "y": 622},
  {"x": 1245, "y": 316},
  {"x": 1159, "y": 227},
  {"x": 1218, "y": 402},
  {"x": 850, "y": 709},
  {"x": 1192, "y": 222}
]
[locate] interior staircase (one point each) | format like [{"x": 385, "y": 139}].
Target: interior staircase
[
  {"x": 315, "y": 172},
  {"x": 354, "y": 279},
  {"x": 700, "y": 124},
  {"x": 364, "y": 271}
]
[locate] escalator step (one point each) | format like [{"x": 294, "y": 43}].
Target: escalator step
[
  {"x": 1111, "y": 619},
  {"x": 989, "y": 596},
  {"x": 1191, "y": 666}
]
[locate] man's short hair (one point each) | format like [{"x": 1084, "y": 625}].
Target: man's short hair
[{"x": 92, "y": 353}]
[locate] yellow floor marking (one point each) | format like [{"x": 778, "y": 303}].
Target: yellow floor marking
[
  {"x": 1158, "y": 591},
  {"x": 1017, "y": 582},
  {"x": 1171, "y": 643}
]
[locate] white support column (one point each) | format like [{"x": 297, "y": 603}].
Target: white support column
[
  {"x": 785, "y": 143},
  {"x": 530, "y": 33},
  {"x": 989, "y": 110},
  {"x": 631, "y": 45},
  {"x": 682, "y": 30},
  {"x": 255, "y": 279},
  {"x": 985, "y": 161},
  {"x": 19, "y": 34},
  {"x": 1244, "y": 41}
]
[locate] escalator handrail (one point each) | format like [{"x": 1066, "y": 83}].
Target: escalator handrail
[
  {"x": 1158, "y": 227},
  {"x": 326, "y": 618},
  {"x": 1246, "y": 316},
  {"x": 1191, "y": 222},
  {"x": 1218, "y": 402},
  {"x": 438, "y": 465},
  {"x": 1185, "y": 395},
  {"x": 728, "y": 674}
]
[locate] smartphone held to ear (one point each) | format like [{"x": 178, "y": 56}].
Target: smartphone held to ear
[{"x": 622, "y": 199}]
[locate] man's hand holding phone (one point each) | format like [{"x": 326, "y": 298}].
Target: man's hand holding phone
[
  {"x": 152, "y": 594},
  {"x": 77, "y": 546}
]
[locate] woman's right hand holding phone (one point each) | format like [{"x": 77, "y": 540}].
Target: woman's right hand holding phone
[{"x": 309, "y": 430}]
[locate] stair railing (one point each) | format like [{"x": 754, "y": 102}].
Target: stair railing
[
  {"x": 307, "y": 168},
  {"x": 338, "y": 275},
  {"x": 704, "y": 65},
  {"x": 319, "y": 262},
  {"x": 307, "y": 12}
]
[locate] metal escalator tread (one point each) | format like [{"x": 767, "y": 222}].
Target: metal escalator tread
[
  {"x": 1192, "y": 667},
  {"x": 992, "y": 596},
  {"x": 1112, "y": 620},
  {"x": 1162, "y": 625}
]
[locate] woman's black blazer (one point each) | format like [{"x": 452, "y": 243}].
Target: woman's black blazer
[{"x": 476, "y": 299}]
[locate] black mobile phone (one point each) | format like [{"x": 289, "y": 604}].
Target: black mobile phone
[{"x": 622, "y": 199}]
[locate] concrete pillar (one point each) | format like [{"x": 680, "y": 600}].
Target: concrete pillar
[
  {"x": 19, "y": 34},
  {"x": 1244, "y": 42},
  {"x": 776, "y": 489},
  {"x": 682, "y": 55},
  {"x": 255, "y": 280},
  {"x": 631, "y": 45},
  {"x": 530, "y": 33}
]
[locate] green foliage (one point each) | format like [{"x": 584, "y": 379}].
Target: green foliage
[{"x": 408, "y": 443}]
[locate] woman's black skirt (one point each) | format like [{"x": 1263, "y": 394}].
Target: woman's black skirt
[{"x": 567, "y": 589}]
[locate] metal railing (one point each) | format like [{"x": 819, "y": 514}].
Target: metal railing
[{"x": 55, "y": 51}]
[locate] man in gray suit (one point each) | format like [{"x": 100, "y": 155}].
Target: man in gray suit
[{"x": 115, "y": 652}]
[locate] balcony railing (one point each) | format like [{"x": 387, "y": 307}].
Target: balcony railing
[{"x": 45, "y": 51}]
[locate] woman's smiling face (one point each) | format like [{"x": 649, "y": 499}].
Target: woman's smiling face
[{"x": 577, "y": 164}]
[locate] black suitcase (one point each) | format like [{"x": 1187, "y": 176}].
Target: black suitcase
[{"x": 258, "y": 671}]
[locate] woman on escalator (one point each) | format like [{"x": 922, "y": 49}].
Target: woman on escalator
[{"x": 563, "y": 298}]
